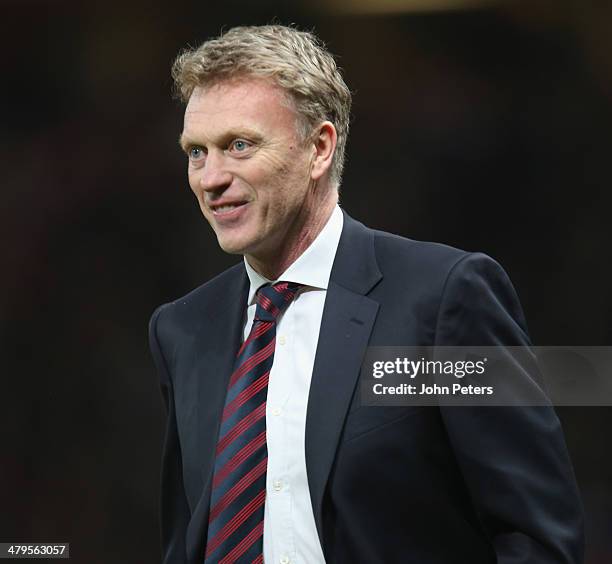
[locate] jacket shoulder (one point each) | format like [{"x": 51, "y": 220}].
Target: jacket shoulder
[
  {"x": 209, "y": 290},
  {"x": 425, "y": 258},
  {"x": 467, "y": 291},
  {"x": 180, "y": 315},
  {"x": 431, "y": 260}
]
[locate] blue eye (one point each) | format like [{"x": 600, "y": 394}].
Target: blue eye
[
  {"x": 239, "y": 145},
  {"x": 195, "y": 153}
]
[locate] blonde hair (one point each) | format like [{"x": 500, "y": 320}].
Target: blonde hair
[{"x": 296, "y": 60}]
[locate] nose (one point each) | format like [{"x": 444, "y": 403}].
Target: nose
[{"x": 215, "y": 176}]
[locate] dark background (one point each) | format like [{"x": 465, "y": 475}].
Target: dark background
[{"x": 487, "y": 127}]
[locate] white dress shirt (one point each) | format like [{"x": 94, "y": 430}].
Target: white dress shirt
[{"x": 290, "y": 534}]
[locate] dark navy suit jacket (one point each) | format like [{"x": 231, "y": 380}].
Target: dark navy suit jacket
[{"x": 422, "y": 485}]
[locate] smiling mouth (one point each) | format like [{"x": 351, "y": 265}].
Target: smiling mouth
[{"x": 226, "y": 208}]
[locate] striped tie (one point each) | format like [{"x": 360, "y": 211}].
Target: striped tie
[{"x": 235, "y": 526}]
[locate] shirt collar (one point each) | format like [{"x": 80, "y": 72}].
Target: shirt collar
[{"x": 313, "y": 267}]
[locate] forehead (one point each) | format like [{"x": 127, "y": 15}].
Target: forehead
[{"x": 251, "y": 104}]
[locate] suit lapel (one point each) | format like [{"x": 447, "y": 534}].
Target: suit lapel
[
  {"x": 215, "y": 361},
  {"x": 348, "y": 318}
]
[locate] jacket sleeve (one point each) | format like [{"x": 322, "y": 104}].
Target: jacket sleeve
[
  {"x": 514, "y": 459},
  {"x": 174, "y": 510}
]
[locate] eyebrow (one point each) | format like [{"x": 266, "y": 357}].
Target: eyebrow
[{"x": 184, "y": 141}]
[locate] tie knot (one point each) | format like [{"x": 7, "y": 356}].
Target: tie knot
[{"x": 273, "y": 300}]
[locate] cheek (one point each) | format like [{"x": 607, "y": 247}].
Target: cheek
[
  {"x": 192, "y": 178},
  {"x": 194, "y": 185},
  {"x": 280, "y": 184}
]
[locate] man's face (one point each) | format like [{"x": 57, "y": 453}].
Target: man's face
[{"x": 247, "y": 166}]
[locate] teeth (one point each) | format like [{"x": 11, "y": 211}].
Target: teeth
[{"x": 223, "y": 209}]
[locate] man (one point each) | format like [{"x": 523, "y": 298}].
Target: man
[{"x": 269, "y": 454}]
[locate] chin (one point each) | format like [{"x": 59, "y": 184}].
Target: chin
[
  {"x": 230, "y": 248},
  {"x": 232, "y": 245}
]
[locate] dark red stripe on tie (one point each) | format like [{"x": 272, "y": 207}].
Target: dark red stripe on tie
[
  {"x": 253, "y": 361},
  {"x": 235, "y": 522},
  {"x": 243, "y": 545},
  {"x": 245, "y": 395},
  {"x": 258, "y": 560},
  {"x": 239, "y": 458},
  {"x": 282, "y": 289},
  {"x": 241, "y": 427},
  {"x": 267, "y": 304},
  {"x": 238, "y": 488},
  {"x": 262, "y": 328}
]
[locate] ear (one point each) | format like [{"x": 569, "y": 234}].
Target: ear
[{"x": 324, "y": 143}]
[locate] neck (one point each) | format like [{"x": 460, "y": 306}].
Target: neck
[{"x": 303, "y": 233}]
